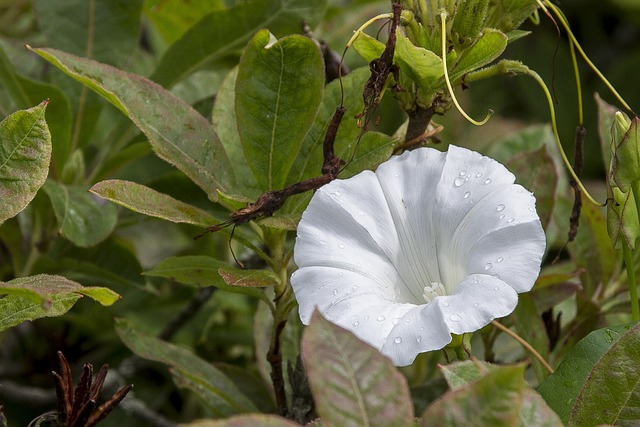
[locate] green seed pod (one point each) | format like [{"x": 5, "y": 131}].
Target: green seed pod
[{"x": 469, "y": 20}]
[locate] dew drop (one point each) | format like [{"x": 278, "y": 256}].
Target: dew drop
[
  {"x": 501, "y": 216},
  {"x": 341, "y": 246},
  {"x": 348, "y": 304},
  {"x": 380, "y": 318},
  {"x": 458, "y": 181},
  {"x": 361, "y": 213},
  {"x": 532, "y": 209},
  {"x": 476, "y": 304},
  {"x": 467, "y": 194},
  {"x": 445, "y": 304},
  {"x": 510, "y": 220},
  {"x": 407, "y": 320},
  {"x": 341, "y": 274},
  {"x": 500, "y": 259},
  {"x": 479, "y": 174},
  {"x": 395, "y": 321},
  {"x": 496, "y": 289},
  {"x": 337, "y": 194},
  {"x": 455, "y": 317},
  {"x": 500, "y": 207},
  {"x": 317, "y": 233},
  {"x": 366, "y": 317},
  {"x": 321, "y": 287},
  {"x": 396, "y": 175},
  {"x": 462, "y": 173},
  {"x": 335, "y": 292},
  {"x": 419, "y": 338},
  {"x": 487, "y": 181},
  {"x": 488, "y": 266},
  {"x": 356, "y": 323},
  {"x": 422, "y": 329},
  {"x": 397, "y": 340},
  {"x": 497, "y": 276}
]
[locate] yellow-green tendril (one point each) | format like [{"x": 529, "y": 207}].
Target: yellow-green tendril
[
  {"x": 524, "y": 344},
  {"x": 554, "y": 126},
  {"x": 565, "y": 24},
  {"x": 443, "y": 36},
  {"x": 535, "y": 17},
  {"x": 365, "y": 25}
]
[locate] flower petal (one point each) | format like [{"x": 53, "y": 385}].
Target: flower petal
[{"x": 477, "y": 301}]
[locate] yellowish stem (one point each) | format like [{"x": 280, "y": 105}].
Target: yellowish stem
[
  {"x": 365, "y": 25},
  {"x": 524, "y": 344},
  {"x": 443, "y": 36}
]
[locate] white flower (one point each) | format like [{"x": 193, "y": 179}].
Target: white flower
[{"x": 431, "y": 244}]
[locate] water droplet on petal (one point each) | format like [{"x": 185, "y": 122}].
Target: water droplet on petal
[
  {"x": 348, "y": 304},
  {"x": 497, "y": 276},
  {"x": 422, "y": 328},
  {"x": 366, "y": 317},
  {"x": 500, "y": 259},
  {"x": 341, "y": 274},
  {"x": 380, "y": 318},
  {"x": 317, "y": 233},
  {"x": 510, "y": 220},
  {"x": 398, "y": 340},
  {"x": 337, "y": 194},
  {"x": 487, "y": 181},
  {"x": 496, "y": 289},
  {"x": 488, "y": 266},
  {"x": 396, "y": 175},
  {"x": 479, "y": 174},
  {"x": 476, "y": 304},
  {"x": 356, "y": 323},
  {"x": 445, "y": 304},
  {"x": 467, "y": 194},
  {"x": 501, "y": 216},
  {"x": 395, "y": 321},
  {"x": 458, "y": 181},
  {"x": 419, "y": 338},
  {"x": 335, "y": 292},
  {"x": 532, "y": 209},
  {"x": 500, "y": 207},
  {"x": 341, "y": 246},
  {"x": 455, "y": 317},
  {"x": 361, "y": 213}
]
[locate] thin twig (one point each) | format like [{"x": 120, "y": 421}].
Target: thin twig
[{"x": 524, "y": 344}]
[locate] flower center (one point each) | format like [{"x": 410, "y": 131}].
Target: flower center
[{"x": 435, "y": 289}]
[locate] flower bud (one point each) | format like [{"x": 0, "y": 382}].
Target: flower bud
[{"x": 469, "y": 20}]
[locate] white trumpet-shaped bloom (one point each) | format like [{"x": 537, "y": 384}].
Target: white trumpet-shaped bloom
[{"x": 431, "y": 244}]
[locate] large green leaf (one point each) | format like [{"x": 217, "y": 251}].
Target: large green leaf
[
  {"x": 225, "y": 32},
  {"x": 172, "y": 18},
  {"x": 82, "y": 218},
  {"x": 177, "y": 133},
  {"x": 493, "y": 400},
  {"x": 352, "y": 383},
  {"x": 203, "y": 271},
  {"x": 25, "y": 152},
  {"x": 562, "y": 388},
  {"x": 611, "y": 392},
  {"x": 214, "y": 388},
  {"x": 148, "y": 201},
  {"x": 278, "y": 91},
  {"x": 30, "y": 298},
  {"x": 421, "y": 65},
  {"x": 26, "y": 92},
  {"x": 106, "y": 31}
]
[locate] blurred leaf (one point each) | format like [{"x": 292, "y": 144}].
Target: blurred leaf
[
  {"x": 82, "y": 218},
  {"x": 626, "y": 156},
  {"x": 352, "y": 383},
  {"x": 26, "y": 92},
  {"x": 561, "y": 389},
  {"x": 248, "y": 278},
  {"x": 172, "y": 18},
  {"x": 487, "y": 48},
  {"x": 507, "y": 15},
  {"x": 253, "y": 420},
  {"x": 107, "y": 31},
  {"x": 251, "y": 385},
  {"x": 606, "y": 114},
  {"x": 531, "y": 328},
  {"x": 225, "y": 32},
  {"x": 493, "y": 400},
  {"x": 201, "y": 271},
  {"x": 536, "y": 413},
  {"x": 278, "y": 92},
  {"x": 149, "y": 202},
  {"x": 611, "y": 391},
  {"x": 177, "y": 133},
  {"x": 225, "y": 123},
  {"x": 30, "y": 298},
  {"x": 219, "y": 393},
  {"x": 535, "y": 170},
  {"x": 25, "y": 152},
  {"x": 459, "y": 374}
]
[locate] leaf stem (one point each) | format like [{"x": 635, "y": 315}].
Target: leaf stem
[
  {"x": 524, "y": 343},
  {"x": 631, "y": 279}
]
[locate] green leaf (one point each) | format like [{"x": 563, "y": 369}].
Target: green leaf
[
  {"x": 26, "y": 92},
  {"x": 606, "y": 114},
  {"x": 201, "y": 271},
  {"x": 253, "y": 420},
  {"x": 535, "y": 170},
  {"x": 369, "y": 48},
  {"x": 352, "y": 383},
  {"x": 25, "y": 152},
  {"x": 507, "y": 15},
  {"x": 493, "y": 400},
  {"x": 107, "y": 31},
  {"x": 248, "y": 278},
  {"x": 147, "y": 201},
  {"x": 374, "y": 148},
  {"x": 278, "y": 92},
  {"x": 177, "y": 133},
  {"x": 561, "y": 389},
  {"x": 421, "y": 65},
  {"x": 224, "y": 33},
  {"x": 460, "y": 374},
  {"x": 531, "y": 328},
  {"x": 625, "y": 167},
  {"x": 172, "y": 18},
  {"x": 82, "y": 218},
  {"x": 611, "y": 392},
  {"x": 225, "y": 123},
  {"x": 219, "y": 393},
  {"x": 487, "y": 48},
  {"x": 30, "y": 298}
]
